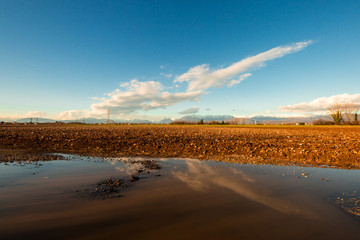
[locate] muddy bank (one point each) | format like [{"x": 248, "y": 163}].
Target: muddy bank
[
  {"x": 332, "y": 146},
  {"x": 20, "y": 155},
  {"x": 112, "y": 187}
]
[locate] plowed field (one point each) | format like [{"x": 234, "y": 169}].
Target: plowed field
[{"x": 329, "y": 145}]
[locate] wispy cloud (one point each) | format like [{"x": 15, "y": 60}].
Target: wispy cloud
[
  {"x": 192, "y": 110},
  {"x": 166, "y": 75},
  {"x": 201, "y": 77},
  {"x": 30, "y": 114},
  {"x": 136, "y": 95},
  {"x": 71, "y": 114},
  {"x": 321, "y": 104},
  {"x": 34, "y": 114}
]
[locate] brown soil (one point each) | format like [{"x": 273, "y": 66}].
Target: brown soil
[
  {"x": 332, "y": 146},
  {"x": 20, "y": 155}
]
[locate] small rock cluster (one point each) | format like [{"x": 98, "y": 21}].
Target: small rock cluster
[
  {"x": 146, "y": 164},
  {"x": 350, "y": 203},
  {"x": 112, "y": 187}
]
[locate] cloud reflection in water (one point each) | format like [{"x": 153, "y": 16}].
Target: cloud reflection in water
[{"x": 202, "y": 177}]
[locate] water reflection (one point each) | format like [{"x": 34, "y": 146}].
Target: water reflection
[
  {"x": 201, "y": 177},
  {"x": 189, "y": 199}
]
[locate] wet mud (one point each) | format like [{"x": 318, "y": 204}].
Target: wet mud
[
  {"x": 19, "y": 156},
  {"x": 112, "y": 187}
]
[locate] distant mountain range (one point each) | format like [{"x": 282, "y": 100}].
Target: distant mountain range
[
  {"x": 279, "y": 120},
  {"x": 257, "y": 119},
  {"x": 206, "y": 118},
  {"x": 253, "y": 120},
  {"x": 166, "y": 120},
  {"x": 38, "y": 120},
  {"x": 86, "y": 120},
  {"x": 189, "y": 118},
  {"x": 97, "y": 120}
]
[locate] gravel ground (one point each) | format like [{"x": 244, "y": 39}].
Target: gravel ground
[{"x": 329, "y": 145}]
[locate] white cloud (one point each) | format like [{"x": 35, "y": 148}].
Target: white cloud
[
  {"x": 30, "y": 114},
  {"x": 71, "y": 115},
  {"x": 192, "y": 110},
  {"x": 321, "y": 104},
  {"x": 241, "y": 78},
  {"x": 166, "y": 75},
  {"x": 137, "y": 95},
  {"x": 201, "y": 77},
  {"x": 37, "y": 114}
]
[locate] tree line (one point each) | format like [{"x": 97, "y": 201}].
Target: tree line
[{"x": 344, "y": 113}]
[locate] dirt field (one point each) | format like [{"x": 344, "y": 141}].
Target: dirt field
[{"x": 330, "y": 145}]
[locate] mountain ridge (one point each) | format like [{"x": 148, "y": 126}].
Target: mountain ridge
[{"x": 260, "y": 119}]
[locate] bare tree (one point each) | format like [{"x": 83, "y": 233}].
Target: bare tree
[
  {"x": 236, "y": 121},
  {"x": 349, "y": 109},
  {"x": 335, "y": 111}
]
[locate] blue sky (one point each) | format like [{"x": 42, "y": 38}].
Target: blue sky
[{"x": 151, "y": 59}]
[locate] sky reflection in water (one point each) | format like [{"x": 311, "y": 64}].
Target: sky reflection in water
[{"x": 213, "y": 196}]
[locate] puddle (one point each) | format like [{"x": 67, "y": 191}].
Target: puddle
[{"x": 94, "y": 198}]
